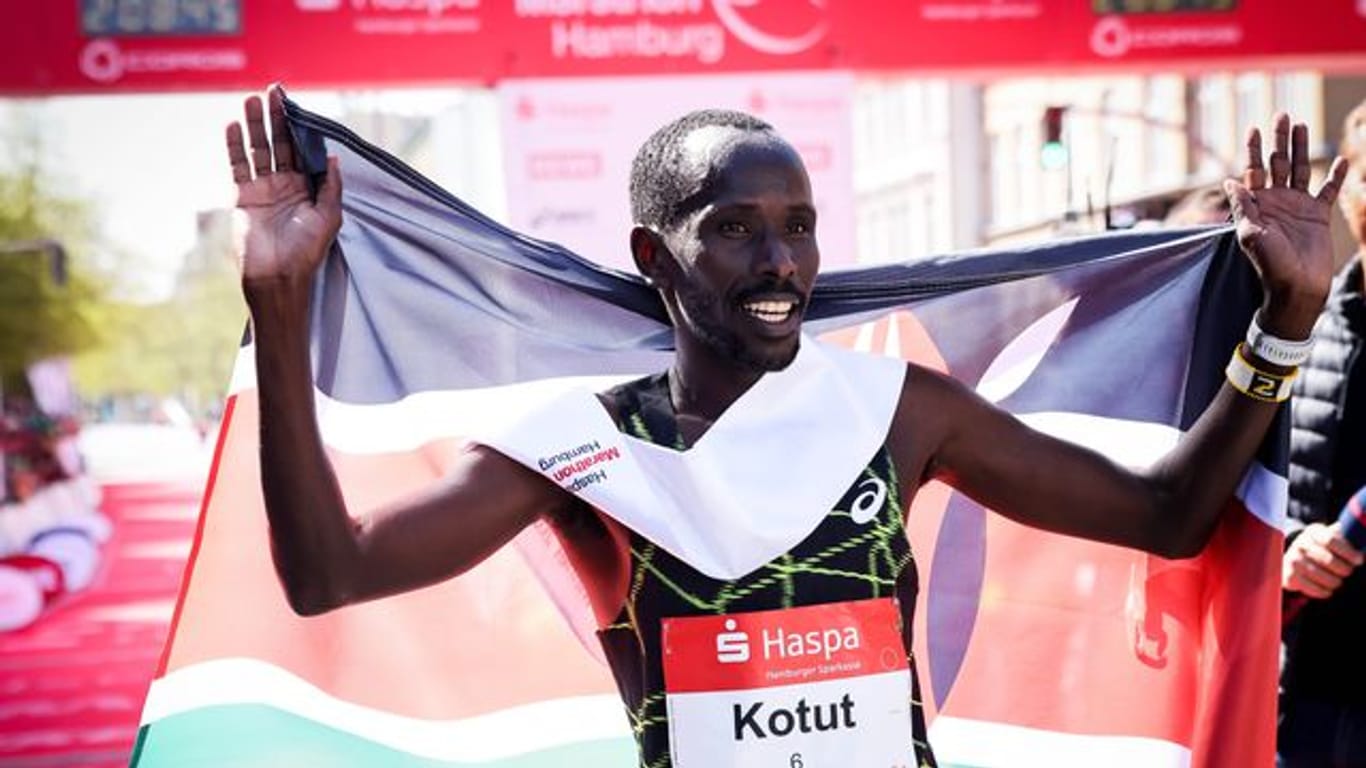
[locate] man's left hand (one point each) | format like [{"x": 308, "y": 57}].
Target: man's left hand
[{"x": 1284, "y": 229}]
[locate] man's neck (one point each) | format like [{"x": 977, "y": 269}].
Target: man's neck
[{"x": 702, "y": 384}]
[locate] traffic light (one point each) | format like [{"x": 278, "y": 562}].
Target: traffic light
[{"x": 1053, "y": 153}]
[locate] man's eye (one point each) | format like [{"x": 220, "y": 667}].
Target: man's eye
[
  {"x": 799, "y": 228},
  {"x": 734, "y": 228}
]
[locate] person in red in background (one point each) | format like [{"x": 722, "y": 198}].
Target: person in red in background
[{"x": 1323, "y": 680}]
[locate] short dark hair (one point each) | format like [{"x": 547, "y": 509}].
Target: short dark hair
[
  {"x": 660, "y": 187},
  {"x": 1207, "y": 205}
]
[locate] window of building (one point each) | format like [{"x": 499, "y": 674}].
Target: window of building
[
  {"x": 1003, "y": 185},
  {"x": 1214, "y": 126},
  {"x": 1162, "y": 136},
  {"x": 1250, "y": 102}
]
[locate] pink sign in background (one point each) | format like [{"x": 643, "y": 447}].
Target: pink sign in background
[{"x": 568, "y": 145}]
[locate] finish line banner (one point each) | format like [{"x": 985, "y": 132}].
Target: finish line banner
[
  {"x": 103, "y": 46},
  {"x": 1033, "y": 649}
]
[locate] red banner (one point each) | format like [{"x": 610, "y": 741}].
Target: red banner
[{"x": 139, "y": 45}]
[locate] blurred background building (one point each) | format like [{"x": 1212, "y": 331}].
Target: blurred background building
[{"x": 944, "y": 164}]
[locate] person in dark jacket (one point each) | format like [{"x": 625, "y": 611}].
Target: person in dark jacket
[{"x": 1323, "y": 679}]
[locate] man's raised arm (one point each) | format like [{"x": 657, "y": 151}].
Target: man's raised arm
[
  {"x": 1171, "y": 508},
  {"x": 323, "y": 556}
]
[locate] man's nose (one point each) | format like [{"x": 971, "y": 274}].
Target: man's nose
[{"x": 776, "y": 257}]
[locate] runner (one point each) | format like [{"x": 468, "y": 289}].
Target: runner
[{"x": 754, "y": 611}]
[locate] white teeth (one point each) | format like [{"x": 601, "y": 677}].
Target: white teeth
[{"x": 770, "y": 311}]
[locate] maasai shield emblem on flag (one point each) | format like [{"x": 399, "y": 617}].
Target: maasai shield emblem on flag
[{"x": 1033, "y": 649}]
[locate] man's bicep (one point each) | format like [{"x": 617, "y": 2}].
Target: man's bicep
[
  {"x": 1032, "y": 477},
  {"x": 483, "y": 501}
]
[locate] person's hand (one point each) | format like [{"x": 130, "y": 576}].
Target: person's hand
[
  {"x": 288, "y": 232},
  {"x": 1284, "y": 229},
  {"x": 1317, "y": 561}
]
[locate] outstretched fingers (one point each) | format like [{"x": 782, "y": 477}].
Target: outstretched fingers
[
  {"x": 237, "y": 155},
  {"x": 281, "y": 140},
  {"x": 256, "y": 133},
  {"x": 1299, "y": 157},
  {"x": 1280, "y": 156},
  {"x": 1254, "y": 176},
  {"x": 1337, "y": 174}
]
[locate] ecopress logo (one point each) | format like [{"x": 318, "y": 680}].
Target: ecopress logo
[
  {"x": 104, "y": 61},
  {"x": 1111, "y": 38}
]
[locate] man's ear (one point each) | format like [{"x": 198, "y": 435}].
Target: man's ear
[{"x": 650, "y": 254}]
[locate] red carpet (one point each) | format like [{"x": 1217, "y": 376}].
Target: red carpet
[{"x": 72, "y": 684}]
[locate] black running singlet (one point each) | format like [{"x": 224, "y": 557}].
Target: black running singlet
[{"x": 841, "y": 560}]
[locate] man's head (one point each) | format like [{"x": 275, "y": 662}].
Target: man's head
[
  {"x": 725, "y": 229},
  {"x": 1353, "y": 196},
  {"x": 1208, "y": 205}
]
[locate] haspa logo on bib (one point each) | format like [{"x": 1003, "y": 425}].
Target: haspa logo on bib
[
  {"x": 778, "y": 643},
  {"x": 732, "y": 647}
]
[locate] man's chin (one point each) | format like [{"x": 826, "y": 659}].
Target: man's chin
[
  {"x": 772, "y": 361},
  {"x": 759, "y": 354}
]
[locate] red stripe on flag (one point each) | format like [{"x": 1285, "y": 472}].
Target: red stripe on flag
[
  {"x": 486, "y": 641},
  {"x": 1236, "y": 716},
  {"x": 185, "y": 579}
]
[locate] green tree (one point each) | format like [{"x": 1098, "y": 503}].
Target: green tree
[
  {"x": 41, "y": 316},
  {"x": 183, "y": 346}
]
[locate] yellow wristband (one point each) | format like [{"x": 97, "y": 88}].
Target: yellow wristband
[{"x": 1256, "y": 383}]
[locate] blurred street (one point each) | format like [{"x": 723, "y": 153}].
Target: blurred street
[{"x": 72, "y": 683}]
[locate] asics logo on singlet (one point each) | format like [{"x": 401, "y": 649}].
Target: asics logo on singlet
[{"x": 872, "y": 495}]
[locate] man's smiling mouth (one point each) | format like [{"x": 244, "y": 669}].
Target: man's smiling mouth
[{"x": 773, "y": 311}]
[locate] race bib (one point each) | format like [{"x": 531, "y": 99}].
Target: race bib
[{"x": 823, "y": 686}]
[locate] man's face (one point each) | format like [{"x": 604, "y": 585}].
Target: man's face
[{"x": 746, "y": 258}]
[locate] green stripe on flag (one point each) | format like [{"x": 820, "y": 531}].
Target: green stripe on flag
[{"x": 257, "y": 735}]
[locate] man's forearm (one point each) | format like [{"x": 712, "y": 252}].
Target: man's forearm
[
  {"x": 1198, "y": 476},
  {"x": 312, "y": 536}
]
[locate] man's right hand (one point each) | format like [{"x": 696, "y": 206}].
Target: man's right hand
[
  {"x": 288, "y": 232},
  {"x": 1317, "y": 561}
]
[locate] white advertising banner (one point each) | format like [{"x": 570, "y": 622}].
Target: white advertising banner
[{"x": 568, "y": 145}]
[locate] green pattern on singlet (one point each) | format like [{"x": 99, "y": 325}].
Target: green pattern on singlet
[{"x": 841, "y": 560}]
